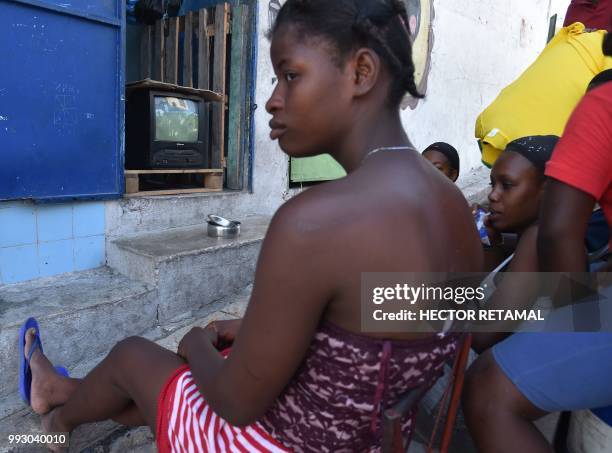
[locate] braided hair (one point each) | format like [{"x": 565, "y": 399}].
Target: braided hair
[{"x": 381, "y": 25}]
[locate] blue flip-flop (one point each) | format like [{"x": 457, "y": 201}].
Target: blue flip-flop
[
  {"x": 25, "y": 373},
  {"x": 63, "y": 371}
]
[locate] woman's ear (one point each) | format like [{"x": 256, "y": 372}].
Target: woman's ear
[{"x": 366, "y": 70}]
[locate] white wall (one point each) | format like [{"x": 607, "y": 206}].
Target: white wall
[{"x": 480, "y": 46}]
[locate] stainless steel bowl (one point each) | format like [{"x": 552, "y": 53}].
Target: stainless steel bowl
[
  {"x": 218, "y": 231},
  {"x": 218, "y": 220}
]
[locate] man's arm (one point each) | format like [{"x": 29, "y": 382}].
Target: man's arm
[{"x": 564, "y": 217}]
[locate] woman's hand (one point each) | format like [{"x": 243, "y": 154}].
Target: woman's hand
[
  {"x": 495, "y": 237},
  {"x": 227, "y": 330},
  {"x": 195, "y": 340}
]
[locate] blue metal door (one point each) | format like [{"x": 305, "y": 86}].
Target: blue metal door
[{"x": 61, "y": 99}]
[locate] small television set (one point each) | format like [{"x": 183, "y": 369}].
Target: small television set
[{"x": 166, "y": 130}]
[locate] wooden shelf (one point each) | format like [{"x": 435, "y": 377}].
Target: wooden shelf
[{"x": 212, "y": 182}]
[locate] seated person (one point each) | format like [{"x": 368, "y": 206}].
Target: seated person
[
  {"x": 301, "y": 375},
  {"x": 517, "y": 185},
  {"x": 445, "y": 158},
  {"x": 530, "y": 375}
]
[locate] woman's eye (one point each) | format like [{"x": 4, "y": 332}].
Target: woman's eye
[
  {"x": 289, "y": 76},
  {"x": 507, "y": 185}
]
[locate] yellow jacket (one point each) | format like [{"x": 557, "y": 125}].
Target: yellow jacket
[{"x": 542, "y": 99}]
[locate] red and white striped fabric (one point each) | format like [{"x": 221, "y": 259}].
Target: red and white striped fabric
[{"x": 185, "y": 423}]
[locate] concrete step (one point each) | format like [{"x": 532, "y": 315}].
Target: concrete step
[
  {"x": 84, "y": 313},
  {"x": 188, "y": 267},
  {"x": 128, "y": 216},
  {"x": 108, "y": 437}
]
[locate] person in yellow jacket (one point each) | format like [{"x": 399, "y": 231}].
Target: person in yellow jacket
[{"x": 541, "y": 100}]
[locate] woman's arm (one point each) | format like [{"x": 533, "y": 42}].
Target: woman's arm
[
  {"x": 499, "y": 251},
  {"x": 290, "y": 293},
  {"x": 518, "y": 289}
]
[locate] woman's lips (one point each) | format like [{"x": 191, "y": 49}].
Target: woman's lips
[
  {"x": 494, "y": 215},
  {"x": 277, "y": 129},
  {"x": 277, "y": 132}
]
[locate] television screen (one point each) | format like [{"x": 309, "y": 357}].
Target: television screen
[{"x": 176, "y": 119}]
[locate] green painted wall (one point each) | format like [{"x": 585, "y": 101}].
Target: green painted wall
[{"x": 318, "y": 168}]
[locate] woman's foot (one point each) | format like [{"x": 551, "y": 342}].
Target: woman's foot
[
  {"x": 51, "y": 424},
  {"x": 46, "y": 382}
]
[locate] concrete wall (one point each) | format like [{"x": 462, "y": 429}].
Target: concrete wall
[{"x": 480, "y": 47}]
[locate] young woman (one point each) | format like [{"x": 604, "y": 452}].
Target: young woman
[
  {"x": 517, "y": 185},
  {"x": 300, "y": 375},
  {"x": 530, "y": 375},
  {"x": 445, "y": 158}
]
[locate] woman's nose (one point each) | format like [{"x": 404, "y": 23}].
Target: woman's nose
[
  {"x": 494, "y": 194},
  {"x": 275, "y": 102}
]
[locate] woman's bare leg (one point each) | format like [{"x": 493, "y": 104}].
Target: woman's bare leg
[
  {"x": 499, "y": 417},
  {"x": 132, "y": 375},
  {"x": 50, "y": 389}
]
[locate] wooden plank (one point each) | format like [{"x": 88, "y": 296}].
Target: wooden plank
[
  {"x": 188, "y": 51},
  {"x": 213, "y": 181},
  {"x": 178, "y": 171},
  {"x": 157, "y": 72},
  {"x": 171, "y": 51},
  {"x": 207, "y": 95},
  {"x": 220, "y": 52},
  {"x": 146, "y": 41},
  {"x": 169, "y": 192},
  {"x": 152, "y": 193},
  {"x": 248, "y": 80},
  {"x": 131, "y": 183},
  {"x": 237, "y": 98},
  {"x": 203, "y": 54}
]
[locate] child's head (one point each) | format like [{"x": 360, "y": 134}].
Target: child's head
[
  {"x": 445, "y": 158},
  {"x": 517, "y": 182},
  {"x": 336, "y": 60}
]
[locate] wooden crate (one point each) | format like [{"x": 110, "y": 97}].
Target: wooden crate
[
  {"x": 141, "y": 183},
  {"x": 159, "y": 60}
]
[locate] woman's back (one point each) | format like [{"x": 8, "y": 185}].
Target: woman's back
[
  {"x": 334, "y": 403},
  {"x": 392, "y": 215}
]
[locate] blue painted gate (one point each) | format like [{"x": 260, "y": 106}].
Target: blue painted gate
[{"x": 61, "y": 99}]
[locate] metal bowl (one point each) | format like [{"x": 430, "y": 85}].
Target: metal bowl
[
  {"x": 218, "y": 231},
  {"x": 220, "y": 221}
]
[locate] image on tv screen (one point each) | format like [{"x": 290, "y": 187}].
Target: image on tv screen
[{"x": 176, "y": 120}]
